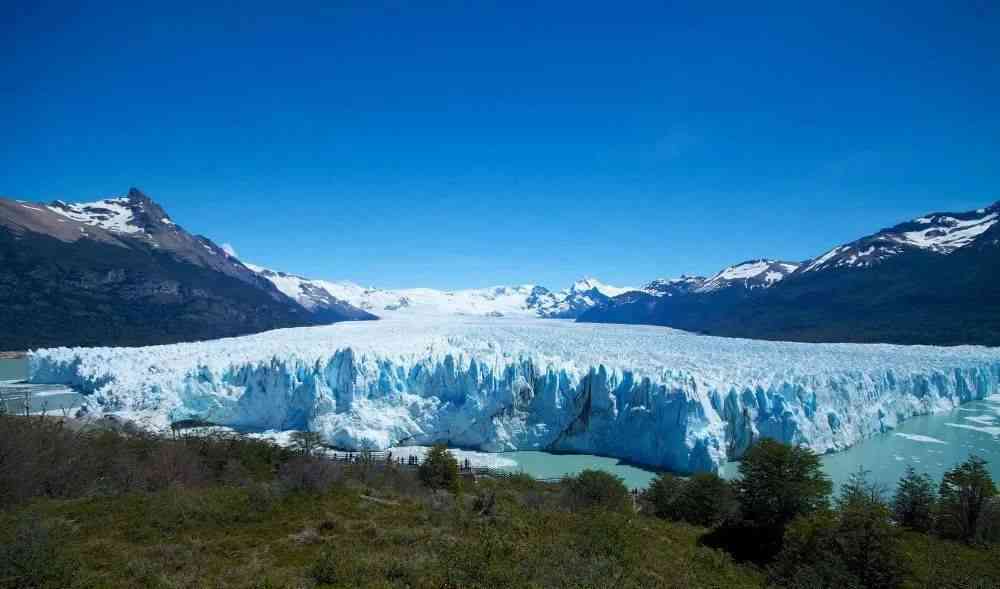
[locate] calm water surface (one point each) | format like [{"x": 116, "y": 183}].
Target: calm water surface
[
  {"x": 545, "y": 466},
  {"x": 13, "y": 369},
  {"x": 932, "y": 444}
]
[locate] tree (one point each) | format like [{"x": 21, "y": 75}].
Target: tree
[
  {"x": 914, "y": 501},
  {"x": 854, "y": 546},
  {"x": 809, "y": 555},
  {"x": 439, "y": 470},
  {"x": 306, "y": 442},
  {"x": 596, "y": 489},
  {"x": 704, "y": 499},
  {"x": 663, "y": 493},
  {"x": 868, "y": 543},
  {"x": 965, "y": 500},
  {"x": 779, "y": 482}
]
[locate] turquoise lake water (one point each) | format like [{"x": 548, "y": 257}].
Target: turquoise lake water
[
  {"x": 13, "y": 369},
  {"x": 932, "y": 444}
]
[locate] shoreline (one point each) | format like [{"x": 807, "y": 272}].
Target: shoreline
[{"x": 13, "y": 355}]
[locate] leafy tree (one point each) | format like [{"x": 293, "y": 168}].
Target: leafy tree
[
  {"x": 596, "y": 489},
  {"x": 306, "y": 442},
  {"x": 662, "y": 493},
  {"x": 965, "y": 500},
  {"x": 914, "y": 501},
  {"x": 809, "y": 556},
  {"x": 854, "y": 546},
  {"x": 705, "y": 499},
  {"x": 868, "y": 543},
  {"x": 439, "y": 470},
  {"x": 779, "y": 482}
]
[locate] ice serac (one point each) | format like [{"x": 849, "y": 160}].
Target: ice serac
[{"x": 647, "y": 394}]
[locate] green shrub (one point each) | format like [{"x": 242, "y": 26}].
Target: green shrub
[
  {"x": 965, "y": 505},
  {"x": 778, "y": 483},
  {"x": 704, "y": 499},
  {"x": 596, "y": 489},
  {"x": 37, "y": 557},
  {"x": 439, "y": 470},
  {"x": 855, "y": 546},
  {"x": 868, "y": 542},
  {"x": 326, "y": 569}
]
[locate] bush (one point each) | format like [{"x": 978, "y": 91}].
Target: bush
[
  {"x": 306, "y": 443},
  {"x": 965, "y": 501},
  {"x": 439, "y": 470},
  {"x": 704, "y": 499},
  {"x": 325, "y": 571},
  {"x": 868, "y": 543},
  {"x": 856, "y": 546},
  {"x": 37, "y": 557},
  {"x": 304, "y": 474},
  {"x": 596, "y": 489},
  {"x": 914, "y": 503},
  {"x": 808, "y": 557},
  {"x": 662, "y": 494},
  {"x": 778, "y": 483}
]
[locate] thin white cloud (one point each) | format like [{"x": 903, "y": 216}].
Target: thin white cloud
[{"x": 229, "y": 249}]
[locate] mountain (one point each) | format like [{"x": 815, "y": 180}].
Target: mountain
[
  {"x": 748, "y": 276},
  {"x": 313, "y": 295},
  {"x": 500, "y": 301},
  {"x": 120, "y": 271},
  {"x": 931, "y": 280}
]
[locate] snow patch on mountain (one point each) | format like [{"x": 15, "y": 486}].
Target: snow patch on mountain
[
  {"x": 751, "y": 274},
  {"x": 647, "y": 394},
  {"x": 948, "y": 233},
  {"x": 939, "y": 233},
  {"x": 111, "y": 214}
]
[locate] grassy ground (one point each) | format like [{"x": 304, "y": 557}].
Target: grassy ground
[
  {"x": 350, "y": 536},
  {"x": 106, "y": 507}
]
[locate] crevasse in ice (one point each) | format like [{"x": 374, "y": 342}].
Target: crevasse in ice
[{"x": 646, "y": 394}]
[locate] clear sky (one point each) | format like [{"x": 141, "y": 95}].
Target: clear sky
[{"x": 472, "y": 143}]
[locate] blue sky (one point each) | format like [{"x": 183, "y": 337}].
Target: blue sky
[{"x": 469, "y": 144}]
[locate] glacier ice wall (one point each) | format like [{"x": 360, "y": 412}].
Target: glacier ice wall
[{"x": 646, "y": 394}]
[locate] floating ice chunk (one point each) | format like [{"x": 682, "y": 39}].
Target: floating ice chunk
[
  {"x": 921, "y": 438},
  {"x": 992, "y": 430}
]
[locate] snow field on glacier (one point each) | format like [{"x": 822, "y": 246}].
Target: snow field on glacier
[{"x": 647, "y": 394}]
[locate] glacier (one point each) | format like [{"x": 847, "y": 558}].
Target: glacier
[{"x": 646, "y": 394}]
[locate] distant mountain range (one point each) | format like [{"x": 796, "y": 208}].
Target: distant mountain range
[
  {"x": 932, "y": 280},
  {"x": 499, "y": 301},
  {"x": 120, "y": 271}
]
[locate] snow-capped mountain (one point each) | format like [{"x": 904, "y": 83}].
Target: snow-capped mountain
[
  {"x": 500, "y": 301},
  {"x": 668, "y": 287},
  {"x": 939, "y": 233},
  {"x": 751, "y": 274},
  {"x": 931, "y": 280},
  {"x": 121, "y": 271}
]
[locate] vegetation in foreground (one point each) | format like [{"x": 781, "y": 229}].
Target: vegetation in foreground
[{"x": 115, "y": 507}]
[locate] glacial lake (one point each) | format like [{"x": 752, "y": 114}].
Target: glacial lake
[
  {"x": 13, "y": 369},
  {"x": 931, "y": 443}
]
